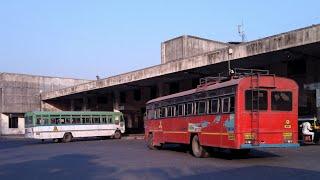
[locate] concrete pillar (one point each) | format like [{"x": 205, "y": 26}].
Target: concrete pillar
[
  {"x": 1, "y": 109},
  {"x": 116, "y": 101},
  {"x": 4, "y": 123},
  {"x": 0, "y": 124},
  {"x": 161, "y": 89},
  {"x": 163, "y": 53},
  {"x": 318, "y": 103},
  {"x": 72, "y": 105},
  {"x": 21, "y": 125},
  {"x": 84, "y": 103}
]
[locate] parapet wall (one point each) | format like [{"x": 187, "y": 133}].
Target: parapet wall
[{"x": 187, "y": 46}]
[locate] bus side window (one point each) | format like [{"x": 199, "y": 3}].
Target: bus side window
[
  {"x": 116, "y": 119},
  {"x": 170, "y": 111},
  {"x": 232, "y": 104},
  {"x": 163, "y": 112},
  {"x": 76, "y": 120},
  {"x": 213, "y": 106},
  {"x": 150, "y": 114},
  {"x": 189, "y": 109},
  {"x": 53, "y": 121},
  {"x": 228, "y": 105},
  {"x": 201, "y": 107},
  {"x": 38, "y": 118},
  {"x": 179, "y": 110},
  {"x": 40, "y": 121},
  {"x": 96, "y": 119},
  {"x": 157, "y": 113},
  {"x": 86, "y": 119},
  {"x": 104, "y": 120},
  {"x": 62, "y": 121},
  {"x": 45, "y": 121},
  {"x": 68, "y": 121},
  {"x": 225, "y": 105},
  {"x": 109, "y": 119}
]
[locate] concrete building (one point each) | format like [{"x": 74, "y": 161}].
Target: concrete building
[
  {"x": 185, "y": 59},
  {"x": 21, "y": 93}
]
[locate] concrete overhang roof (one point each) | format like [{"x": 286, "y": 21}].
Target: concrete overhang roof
[{"x": 289, "y": 40}]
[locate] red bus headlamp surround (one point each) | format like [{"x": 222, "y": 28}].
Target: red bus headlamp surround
[
  {"x": 248, "y": 138},
  {"x": 288, "y": 141},
  {"x": 287, "y": 137}
]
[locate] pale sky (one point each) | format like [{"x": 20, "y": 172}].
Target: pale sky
[{"x": 82, "y": 39}]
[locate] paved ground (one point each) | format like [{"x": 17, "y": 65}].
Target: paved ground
[{"x": 130, "y": 159}]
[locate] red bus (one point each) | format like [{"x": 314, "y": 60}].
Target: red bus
[{"x": 239, "y": 113}]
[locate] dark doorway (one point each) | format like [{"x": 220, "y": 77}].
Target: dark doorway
[{"x": 13, "y": 122}]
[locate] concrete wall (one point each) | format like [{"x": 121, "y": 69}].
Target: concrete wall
[
  {"x": 21, "y": 93},
  {"x": 187, "y": 46},
  {"x": 5, "y": 130}
]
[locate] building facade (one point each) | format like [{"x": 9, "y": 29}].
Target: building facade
[
  {"x": 21, "y": 93},
  {"x": 184, "y": 60}
]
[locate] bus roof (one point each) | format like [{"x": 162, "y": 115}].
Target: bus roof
[
  {"x": 231, "y": 82},
  {"x": 72, "y": 113}
]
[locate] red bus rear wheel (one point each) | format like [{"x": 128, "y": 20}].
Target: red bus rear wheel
[{"x": 198, "y": 150}]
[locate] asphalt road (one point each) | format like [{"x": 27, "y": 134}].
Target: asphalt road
[{"x": 130, "y": 159}]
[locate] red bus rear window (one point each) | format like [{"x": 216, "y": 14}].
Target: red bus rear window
[
  {"x": 256, "y": 100},
  {"x": 281, "y": 101}
]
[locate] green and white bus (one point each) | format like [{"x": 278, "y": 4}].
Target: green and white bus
[{"x": 65, "y": 125}]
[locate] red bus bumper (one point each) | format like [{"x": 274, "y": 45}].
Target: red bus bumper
[{"x": 250, "y": 146}]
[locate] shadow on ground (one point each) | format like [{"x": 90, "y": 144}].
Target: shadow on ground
[
  {"x": 70, "y": 166},
  {"x": 221, "y": 153},
  {"x": 258, "y": 172},
  {"x": 16, "y": 143},
  {"x": 7, "y": 143}
]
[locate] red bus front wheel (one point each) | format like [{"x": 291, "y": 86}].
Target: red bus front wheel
[
  {"x": 150, "y": 143},
  {"x": 198, "y": 150}
]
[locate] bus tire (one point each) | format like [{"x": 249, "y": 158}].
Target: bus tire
[
  {"x": 150, "y": 143},
  {"x": 117, "y": 135},
  {"x": 56, "y": 140},
  {"x": 198, "y": 150},
  {"x": 67, "y": 137}
]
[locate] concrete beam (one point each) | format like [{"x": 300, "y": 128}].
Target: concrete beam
[{"x": 278, "y": 42}]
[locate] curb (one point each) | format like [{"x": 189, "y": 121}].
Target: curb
[
  {"x": 132, "y": 137},
  {"x": 12, "y": 136}
]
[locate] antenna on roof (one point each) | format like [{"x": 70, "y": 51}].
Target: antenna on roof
[{"x": 241, "y": 32}]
